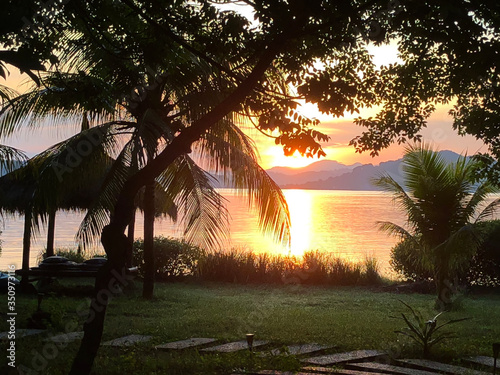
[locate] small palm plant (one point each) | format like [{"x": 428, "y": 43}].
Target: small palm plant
[{"x": 425, "y": 332}]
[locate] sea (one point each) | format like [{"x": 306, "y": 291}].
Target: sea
[{"x": 336, "y": 221}]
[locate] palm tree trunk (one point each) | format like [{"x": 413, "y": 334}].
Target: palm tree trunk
[
  {"x": 444, "y": 294},
  {"x": 131, "y": 236},
  {"x": 149, "y": 256},
  {"x": 111, "y": 278},
  {"x": 113, "y": 239},
  {"x": 26, "y": 246},
  {"x": 51, "y": 234}
]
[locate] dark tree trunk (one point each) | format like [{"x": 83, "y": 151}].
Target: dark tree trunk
[
  {"x": 149, "y": 255},
  {"x": 111, "y": 278},
  {"x": 131, "y": 237},
  {"x": 445, "y": 291},
  {"x": 51, "y": 234},
  {"x": 26, "y": 245},
  {"x": 113, "y": 238}
]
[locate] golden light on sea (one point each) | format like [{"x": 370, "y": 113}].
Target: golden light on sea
[{"x": 300, "y": 206}]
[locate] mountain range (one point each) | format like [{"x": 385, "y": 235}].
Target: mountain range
[{"x": 332, "y": 175}]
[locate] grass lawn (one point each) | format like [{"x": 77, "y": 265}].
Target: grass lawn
[{"x": 347, "y": 317}]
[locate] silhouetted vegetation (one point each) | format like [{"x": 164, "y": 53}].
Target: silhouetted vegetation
[
  {"x": 177, "y": 259},
  {"x": 482, "y": 268},
  {"x": 174, "y": 259}
]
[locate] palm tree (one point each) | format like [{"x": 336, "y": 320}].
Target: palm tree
[
  {"x": 441, "y": 202},
  {"x": 225, "y": 148}
]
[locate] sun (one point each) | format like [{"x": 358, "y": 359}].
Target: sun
[{"x": 275, "y": 157}]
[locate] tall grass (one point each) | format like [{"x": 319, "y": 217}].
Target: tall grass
[{"x": 314, "y": 268}]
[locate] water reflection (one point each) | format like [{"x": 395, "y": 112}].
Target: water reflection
[
  {"x": 342, "y": 222},
  {"x": 300, "y": 207}
]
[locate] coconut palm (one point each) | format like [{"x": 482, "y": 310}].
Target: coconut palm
[
  {"x": 185, "y": 185},
  {"x": 441, "y": 202}
]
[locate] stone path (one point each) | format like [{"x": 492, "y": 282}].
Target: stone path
[
  {"x": 333, "y": 359},
  {"x": 340, "y": 371},
  {"x": 22, "y": 333},
  {"x": 348, "y": 363},
  {"x": 66, "y": 337},
  {"x": 431, "y": 365},
  {"x": 185, "y": 344},
  {"x": 301, "y": 349},
  {"x": 234, "y": 346},
  {"x": 127, "y": 340},
  {"x": 482, "y": 360},
  {"x": 273, "y": 372},
  {"x": 382, "y": 367}
]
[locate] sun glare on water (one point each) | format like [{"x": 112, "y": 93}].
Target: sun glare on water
[{"x": 300, "y": 207}]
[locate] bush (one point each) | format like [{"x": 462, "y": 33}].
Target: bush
[
  {"x": 406, "y": 261},
  {"x": 371, "y": 274},
  {"x": 483, "y": 267},
  {"x": 173, "y": 258}
]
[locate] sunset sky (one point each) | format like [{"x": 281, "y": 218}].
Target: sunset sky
[{"x": 439, "y": 132}]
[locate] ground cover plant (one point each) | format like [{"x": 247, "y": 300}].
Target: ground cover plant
[
  {"x": 282, "y": 314},
  {"x": 424, "y": 331}
]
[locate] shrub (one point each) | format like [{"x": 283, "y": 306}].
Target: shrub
[
  {"x": 371, "y": 274},
  {"x": 173, "y": 258},
  {"x": 483, "y": 267},
  {"x": 406, "y": 260}
]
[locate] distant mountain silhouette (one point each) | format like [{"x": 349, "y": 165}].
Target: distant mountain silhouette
[
  {"x": 320, "y": 170},
  {"x": 355, "y": 177}
]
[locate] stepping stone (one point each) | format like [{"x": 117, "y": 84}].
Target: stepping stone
[
  {"x": 66, "y": 337},
  {"x": 275, "y": 372},
  {"x": 234, "y": 346},
  {"x": 21, "y": 333},
  {"x": 333, "y": 359},
  {"x": 127, "y": 340},
  {"x": 482, "y": 360},
  {"x": 381, "y": 367},
  {"x": 340, "y": 371},
  {"x": 441, "y": 367},
  {"x": 184, "y": 344},
  {"x": 301, "y": 349}
]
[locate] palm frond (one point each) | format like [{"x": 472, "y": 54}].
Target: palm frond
[
  {"x": 11, "y": 159},
  {"x": 402, "y": 199},
  {"x": 228, "y": 151},
  {"x": 6, "y": 94},
  {"x": 202, "y": 208},
  {"x": 489, "y": 211},
  {"x": 394, "y": 229},
  {"x": 97, "y": 217},
  {"x": 63, "y": 99}
]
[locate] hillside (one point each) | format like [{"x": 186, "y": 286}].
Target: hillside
[{"x": 340, "y": 176}]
